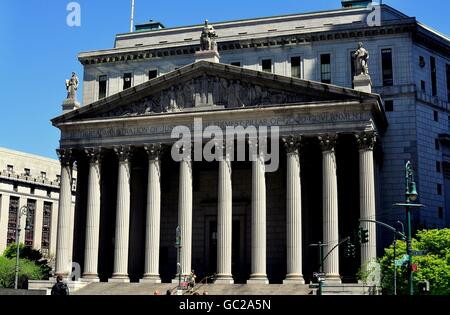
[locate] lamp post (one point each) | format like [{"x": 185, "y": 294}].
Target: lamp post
[
  {"x": 410, "y": 196},
  {"x": 22, "y": 211},
  {"x": 395, "y": 265}
]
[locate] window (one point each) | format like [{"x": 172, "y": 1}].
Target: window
[
  {"x": 352, "y": 67},
  {"x": 127, "y": 81},
  {"x": 421, "y": 61},
  {"x": 10, "y": 169},
  {"x": 58, "y": 178},
  {"x": 152, "y": 74},
  {"x": 439, "y": 189},
  {"x": 266, "y": 65},
  {"x": 12, "y": 219},
  {"x": 29, "y": 232},
  {"x": 15, "y": 188},
  {"x": 441, "y": 213},
  {"x": 32, "y": 190},
  {"x": 386, "y": 60},
  {"x": 27, "y": 172},
  {"x": 438, "y": 166},
  {"x": 102, "y": 80},
  {"x": 437, "y": 144},
  {"x": 448, "y": 81},
  {"x": 436, "y": 115},
  {"x": 423, "y": 85},
  {"x": 49, "y": 193},
  {"x": 46, "y": 226},
  {"x": 236, "y": 63},
  {"x": 295, "y": 67},
  {"x": 325, "y": 68},
  {"x": 43, "y": 175},
  {"x": 389, "y": 106},
  {"x": 433, "y": 76}
]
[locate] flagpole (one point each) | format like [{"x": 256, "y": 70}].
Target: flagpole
[{"x": 132, "y": 16}]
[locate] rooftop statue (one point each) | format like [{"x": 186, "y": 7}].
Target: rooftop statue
[
  {"x": 207, "y": 39},
  {"x": 361, "y": 60},
  {"x": 72, "y": 87}
]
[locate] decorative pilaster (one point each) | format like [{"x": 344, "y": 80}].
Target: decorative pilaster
[
  {"x": 185, "y": 213},
  {"x": 258, "y": 265},
  {"x": 330, "y": 207},
  {"x": 93, "y": 215},
  {"x": 294, "y": 211},
  {"x": 225, "y": 219},
  {"x": 153, "y": 222},
  {"x": 63, "y": 254},
  {"x": 122, "y": 235},
  {"x": 366, "y": 142}
]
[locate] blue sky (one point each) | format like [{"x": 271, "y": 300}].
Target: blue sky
[{"x": 39, "y": 51}]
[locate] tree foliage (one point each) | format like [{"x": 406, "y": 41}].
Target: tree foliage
[
  {"x": 32, "y": 264},
  {"x": 433, "y": 267}
]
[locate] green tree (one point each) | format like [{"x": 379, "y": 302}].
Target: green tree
[
  {"x": 433, "y": 267},
  {"x": 28, "y": 271}
]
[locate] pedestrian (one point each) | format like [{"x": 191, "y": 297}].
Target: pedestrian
[
  {"x": 192, "y": 279},
  {"x": 169, "y": 292},
  {"x": 60, "y": 288}
]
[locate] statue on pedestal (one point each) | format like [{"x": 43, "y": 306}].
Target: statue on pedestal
[
  {"x": 208, "y": 38},
  {"x": 361, "y": 60},
  {"x": 72, "y": 87}
]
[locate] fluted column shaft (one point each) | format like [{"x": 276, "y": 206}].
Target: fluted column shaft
[
  {"x": 224, "y": 222},
  {"x": 185, "y": 215},
  {"x": 258, "y": 262},
  {"x": 153, "y": 230},
  {"x": 121, "y": 244},
  {"x": 93, "y": 216},
  {"x": 63, "y": 254},
  {"x": 330, "y": 209},
  {"x": 367, "y": 195},
  {"x": 294, "y": 212}
]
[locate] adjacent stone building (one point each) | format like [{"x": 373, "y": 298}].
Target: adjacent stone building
[
  {"x": 344, "y": 145},
  {"x": 32, "y": 181}
]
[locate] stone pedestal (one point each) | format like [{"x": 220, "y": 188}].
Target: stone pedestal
[
  {"x": 362, "y": 83},
  {"x": 70, "y": 105},
  {"x": 207, "y": 55}
]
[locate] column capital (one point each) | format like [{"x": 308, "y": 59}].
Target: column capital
[
  {"x": 65, "y": 156},
  {"x": 366, "y": 140},
  {"x": 154, "y": 151},
  {"x": 292, "y": 143},
  {"x": 328, "y": 142},
  {"x": 124, "y": 153},
  {"x": 94, "y": 154}
]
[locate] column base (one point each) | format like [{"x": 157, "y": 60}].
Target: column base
[
  {"x": 258, "y": 279},
  {"x": 119, "y": 279},
  {"x": 333, "y": 279},
  {"x": 294, "y": 279},
  {"x": 90, "y": 279},
  {"x": 224, "y": 279},
  {"x": 150, "y": 279}
]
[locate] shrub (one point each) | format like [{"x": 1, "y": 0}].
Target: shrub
[{"x": 28, "y": 271}]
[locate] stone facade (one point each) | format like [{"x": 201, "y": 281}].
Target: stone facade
[
  {"x": 33, "y": 181},
  {"x": 339, "y": 183}
]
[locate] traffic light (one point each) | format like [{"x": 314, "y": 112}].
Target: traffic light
[{"x": 363, "y": 236}]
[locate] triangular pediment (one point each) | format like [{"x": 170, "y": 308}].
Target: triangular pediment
[{"x": 207, "y": 86}]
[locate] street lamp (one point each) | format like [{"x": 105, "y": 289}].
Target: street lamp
[
  {"x": 22, "y": 211},
  {"x": 411, "y": 196}
]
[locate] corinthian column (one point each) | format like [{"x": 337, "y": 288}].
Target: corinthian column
[
  {"x": 258, "y": 275},
  {"x": 63, "y": 254},
  {"x": 93, "y": 216},
  {"x": 294, "y": 212},
  {"x": 225, "y": 219},
  {"x": 366, "y": 142},
  {"x": 330, "y": 208},
  {"x": 122, "y": 235},
  {"x": 185, "y": 213},
  {"x": 153, "y": 231}
]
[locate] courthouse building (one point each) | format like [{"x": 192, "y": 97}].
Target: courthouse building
[
  {"x": 343, "y": 142},
  {"x": 31, "y": 181}
]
